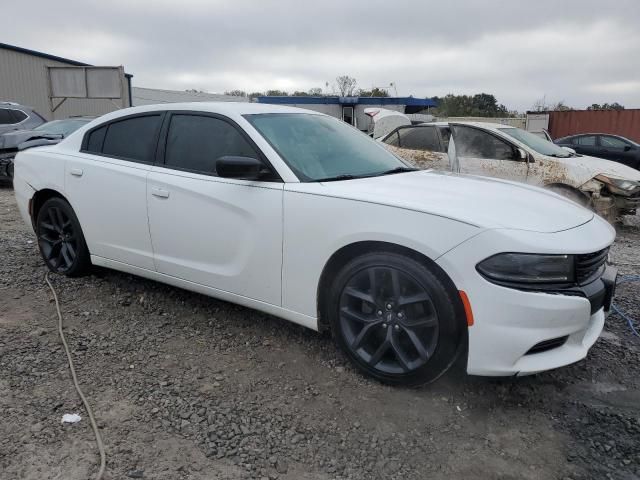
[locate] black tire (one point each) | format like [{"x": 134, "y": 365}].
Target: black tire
[
  {"x": 6, "y": 172},
  {"x": 383, "y": 298},
  {"x": 61, "y": 240}
]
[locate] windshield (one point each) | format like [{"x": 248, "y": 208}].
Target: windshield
[
  {"x": 318, "y": 147},
  {"x": 64, "y": 127},
  {"x": 536, "y": 143}
]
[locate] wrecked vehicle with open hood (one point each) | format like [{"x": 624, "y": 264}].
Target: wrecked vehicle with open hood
[
  {"x": 502, "y": 151},
  {"x": 46, "y": 133}
]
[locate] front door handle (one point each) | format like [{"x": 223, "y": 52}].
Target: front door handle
[
  {"x": 76, "y": 172},
  {"x": 159, "y": 192}
]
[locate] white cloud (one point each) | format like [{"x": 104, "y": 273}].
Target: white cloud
[{"x": 574, "y": 51}]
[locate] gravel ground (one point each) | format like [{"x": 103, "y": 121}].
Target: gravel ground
[{"x": 188, "y": 387}]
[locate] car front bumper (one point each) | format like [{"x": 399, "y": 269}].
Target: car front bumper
[
  {"x": 517, "y": 332},
  {"x": 6, "y": 164}
]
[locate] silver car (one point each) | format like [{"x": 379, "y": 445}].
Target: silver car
[{"x": 14, "y": 116}]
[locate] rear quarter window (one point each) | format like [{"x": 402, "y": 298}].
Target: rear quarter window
[
  {"x": 131, "y": 138},
  {"x": 18, "y": 116},
  {"x": 95, "y": 140}
]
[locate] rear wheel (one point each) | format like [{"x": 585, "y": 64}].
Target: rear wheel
[
  {"x": 395, "y": 318},
  {"x": 60, "y": 239}
]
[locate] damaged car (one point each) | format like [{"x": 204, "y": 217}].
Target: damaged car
[
  {"x": 300, "y": 215},
  {"x": 502, "y": 151},
  {"x": 49, "y": 132}
]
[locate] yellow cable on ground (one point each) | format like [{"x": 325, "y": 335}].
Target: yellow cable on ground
[{"x": 87, "y": 407}]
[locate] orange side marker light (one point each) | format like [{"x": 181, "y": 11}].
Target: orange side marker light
[{"x": 467, "y": 307}]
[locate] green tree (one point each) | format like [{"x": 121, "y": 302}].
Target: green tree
[
  {"x": 346, "y": 85},
  {"x": 541, "y": 105},
  {"x": 478, "y": 105},
  {"x": 560, "y": 107},
  {"x": 606, "y": 106},
  {"x": 276, "y": 93},
  {"x": 374, "y": 92},
  {"x": 236, "y": 93}
]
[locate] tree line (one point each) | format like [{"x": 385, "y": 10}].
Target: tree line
[{"x": 478, "y": 105}]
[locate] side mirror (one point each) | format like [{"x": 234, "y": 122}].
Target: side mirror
[
  {"x": 245, "y": 168},
  {"x": 570, "y": 150},
  {"x": 627, "y": 148}
]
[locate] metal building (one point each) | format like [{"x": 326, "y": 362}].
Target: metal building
[{"x": 23, "y": 79}]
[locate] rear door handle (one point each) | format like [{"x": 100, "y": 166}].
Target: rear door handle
[
  {"x": 76, "y": 172},
  {"x": 159, "y": 192}
]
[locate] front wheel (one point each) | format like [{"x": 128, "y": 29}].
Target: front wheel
[
  {"x": 395, "y": 318},
  {"x": 60, "y": 239}
]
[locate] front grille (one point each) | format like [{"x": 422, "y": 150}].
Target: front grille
[
  {"x": 589, "y": 265},
  {"x": 547, "y": 345}
]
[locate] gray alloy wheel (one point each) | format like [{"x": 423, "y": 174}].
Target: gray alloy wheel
[{"x": 60, "y": 239}]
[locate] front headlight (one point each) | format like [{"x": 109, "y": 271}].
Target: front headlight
[
  {"x": 619, "y": 186},
  {"x": 528, "y": 268}
]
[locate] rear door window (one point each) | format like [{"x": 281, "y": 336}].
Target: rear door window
[
  {"x": 196, "y": 142},
  {"x": 132, "y": 138},
  {"x": 419, "y": 138}
]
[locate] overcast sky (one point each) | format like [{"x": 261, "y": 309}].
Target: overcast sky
[{"x": 580, "y": 51}]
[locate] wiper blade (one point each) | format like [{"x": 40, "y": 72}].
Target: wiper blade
[
  {"x": 351, "y": 177},
  {"x": 398, "y": 170},
  {"x": 335, "y": 178}
]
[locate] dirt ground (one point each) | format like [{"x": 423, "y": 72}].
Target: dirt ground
[{"x": 188, "y": 387}]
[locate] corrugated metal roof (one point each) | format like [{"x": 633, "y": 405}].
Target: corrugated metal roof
[
  {"x": 48, "y": 56},
  {"x": 150, "y": 96}
]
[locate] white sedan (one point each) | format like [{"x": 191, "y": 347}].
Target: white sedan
[{"x": 301, "y": 216}]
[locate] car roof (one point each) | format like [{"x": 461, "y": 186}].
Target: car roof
[
  {"x": 601, "y": 133},
  {"x": 75, "y": 117},
  {"x": 238, "y": 108},
  {"x": 489, "y": 125}
]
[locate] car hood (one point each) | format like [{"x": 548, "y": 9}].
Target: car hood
[
  {"x": 480, "y": 201},
  {"x": 14, "y": 138},
  {"x": 597, "y": 166}
]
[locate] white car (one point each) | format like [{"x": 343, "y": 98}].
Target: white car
[
  {"x": 301, "y": 216},
  {"x": 502, "y": 151},
  {"x": 384, "y": 121}
]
